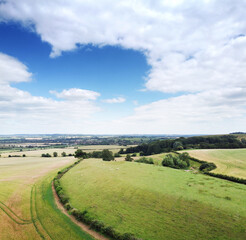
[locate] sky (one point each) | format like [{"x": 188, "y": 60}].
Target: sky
[{"x": 122, "y": 67}]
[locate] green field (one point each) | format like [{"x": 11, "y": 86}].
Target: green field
[
  {"x": 155, "y": 202},
  {"x": 27, "y": 207},
  {"x": 231, "y": 162}
]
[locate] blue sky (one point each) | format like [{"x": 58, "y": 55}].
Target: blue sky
[
  {"x": 122, "y": 67},
  {"x": 110, "y": 70}
]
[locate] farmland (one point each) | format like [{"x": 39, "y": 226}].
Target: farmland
[
  {"x": 228, "y": 161},
  {"x": 27, "y": 208},
  {"x": 150, "y": 201},
  {"x": 68, "y": 150},
  {"x": 155, "y": 202}
]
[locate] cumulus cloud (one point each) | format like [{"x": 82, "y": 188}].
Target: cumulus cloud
[
  {"x": 76, "y": 94},
  {"x": 20, "y": 111},
  {"x": 185, "y": 42},
  {"x": 194, "y": 48},
  {"x": 114, "y": 100},
  {"x": 11, "y": 70},
  {"x": 207, "y": 112}
]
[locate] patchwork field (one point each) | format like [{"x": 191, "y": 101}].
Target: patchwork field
[
  {"x": 39, "y": 152},
  {"x": 231, "y": 162},
  {"x": 155, "y": 202},
  {"x": 27, "y": 208}
]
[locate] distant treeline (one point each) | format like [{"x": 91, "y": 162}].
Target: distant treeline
[{"x": 209, "y": 142}]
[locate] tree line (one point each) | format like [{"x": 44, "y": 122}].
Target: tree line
[{"x": 206, "y": 142}]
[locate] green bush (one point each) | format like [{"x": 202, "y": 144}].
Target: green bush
[
  {"x": 107, "y": 155},
  {"x": 45, "y": 155},
  {"x": 145, "y": 160},
  {"x": 128, "y": 158},
  {"x": 207, "y": 167},
  {"x": 180, "y": 161},
  {"x": 67, "y": 206},
  {"x": 97, "y": 225}
]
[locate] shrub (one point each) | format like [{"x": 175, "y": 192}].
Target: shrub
[
  {"x": 180, "y": 161},
  {"x": 128, "y": 158},
  {"x": 97, "y": 225},
  {"x": 67, "y": 206},
  {"x": 128, "y": 236},
  {"x": 107, "y": 155},
  {"x": 55, "y": 154},
  {"x": 46, "y": 155},
  {"x": 117, "y": 155},
  {"x": 145, "y": 160},
  {"x": 80, "y": 154},
  {"x": 64, "y": 154},
  {"x": 207, "y": 167}
]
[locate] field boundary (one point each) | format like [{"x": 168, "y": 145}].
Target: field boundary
[
  {"x": 217, "y": 175},
  {"x": 83, "y": 217},
  {"x": 83, "y": 226}
]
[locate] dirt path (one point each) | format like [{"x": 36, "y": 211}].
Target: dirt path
[{"x": 83, "y": 226}]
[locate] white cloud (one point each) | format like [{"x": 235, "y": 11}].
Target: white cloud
[
  {"x": 75, "y": 94},
  {"x": 190, "y": 45},
  {"x": 207, "y": 112},
  {"x": 114, "y": 100},
  {"x": 11, "y": 70},
  {"x": 193, "y": 47},
  {"x": 22, "y": 112}
]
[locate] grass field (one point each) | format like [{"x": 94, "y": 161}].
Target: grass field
[
  {"x": 231, "y": 162},
  {"x": 155, "y": 202},
  {"x": 27, "y": 207}
]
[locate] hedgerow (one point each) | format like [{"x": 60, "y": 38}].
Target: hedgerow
[{"x": 226, "y": 177}]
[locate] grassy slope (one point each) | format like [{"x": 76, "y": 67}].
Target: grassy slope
[
  {"x": 17, "y": 178},
  {"x": 158, "y": 203},
  {"x": 228, "y": 161}
]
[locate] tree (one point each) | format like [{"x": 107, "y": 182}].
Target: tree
[
  {"x": 46, "y": 155},
  {"x": 55, "y": 154},
  {"x": 128, "y": 158},
  {"x": 24, "y": 155},
  {"x": 116, "y": 155},
  {"x": 121, "y": 151},
  {"x": 107, "y": 155},
  {"x": 178, "y": 145},
  {"x": 64, "y": 154},
  {"x": 176, "y": 161},
  {"x": 80, "y": 154},
  {"x": 207, "y": 167}
]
